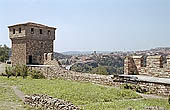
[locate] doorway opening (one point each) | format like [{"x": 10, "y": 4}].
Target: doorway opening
[{"x": 30, "y": 59}]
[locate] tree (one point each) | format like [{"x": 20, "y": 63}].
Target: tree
[
  {"x": 4, "y": 53},
  {"x": 100, "y": 70}
]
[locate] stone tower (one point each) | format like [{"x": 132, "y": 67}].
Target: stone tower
[{"x": 30, "y": 41}]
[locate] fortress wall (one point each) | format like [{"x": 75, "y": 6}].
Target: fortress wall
[
  {"x": 154, "y": 66},
  {"x": 130, "y": 66},
  {"x": 18, "y": 52},
  {"x": 154, "y": 62},
  {"x": 55, "y": 71}
]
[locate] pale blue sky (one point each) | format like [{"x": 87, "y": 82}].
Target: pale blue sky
[{"x": 108, "y": 25}]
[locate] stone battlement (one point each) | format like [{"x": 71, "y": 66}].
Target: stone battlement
[{"x": 151, "y": 65}]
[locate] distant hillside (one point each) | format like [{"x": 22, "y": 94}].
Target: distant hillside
[
  {"x": 83, "y": 52},
  {"x": 161, "y": 49},
  {"x": 61, "y": 56},
  {"x": 155, "y": 51}
]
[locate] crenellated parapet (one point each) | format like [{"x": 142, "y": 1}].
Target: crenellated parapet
[
  {"x": 168, "y": 60},
  {"x": 152, "y": 66},
  {"x": 49, "y": 59},
  {"x": 154, "y": 61},
  {"x": 129, "y": 66}
]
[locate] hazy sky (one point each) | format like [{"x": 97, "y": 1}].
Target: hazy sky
[{"x": 94, "y": 24}]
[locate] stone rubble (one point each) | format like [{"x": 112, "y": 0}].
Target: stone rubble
[
  {"x": 49, "y": 103},
  {"x": 154, "y": 108}
]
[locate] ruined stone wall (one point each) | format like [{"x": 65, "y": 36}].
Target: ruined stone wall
[
  {"x": 49, "y": 59},
  {"x": 18, "y": 52},
  {"x": 52, "y": 71},
  {"x": 49, "y": 103},
  {"x": 154, "y": 61},
  {"x": 129, "y": 66},
  {"x": 162, "y": 89},
  {"x": 154, "y": 66}
]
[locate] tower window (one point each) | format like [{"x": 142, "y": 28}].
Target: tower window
[
  {"x": 49, "y": 32},
  {"x": 41, "y": 44},
  {"x": 13, "y": 31},
  {"x": 40, "y": 31},
  {"x": 19, "y": 30},
  {"x": 32, "y": 30},
  {"x": 46, "y": 57}
]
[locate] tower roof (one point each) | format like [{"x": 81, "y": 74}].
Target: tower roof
[{"x": 32, "y": 24}]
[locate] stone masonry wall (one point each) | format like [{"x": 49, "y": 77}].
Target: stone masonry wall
[
  {"x": 54, "y": 71},
  {"x": 129, "y": 66},
  {"x": 18, "y": 52},
  {"x": 37, "y": 48},
  {"x": 37, "y": 36},
  {"x": 17, "y": 34},
  {"x": 154, "y": 66}
]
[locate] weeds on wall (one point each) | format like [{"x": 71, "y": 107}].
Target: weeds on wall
[{"x": 36, "y": 74}]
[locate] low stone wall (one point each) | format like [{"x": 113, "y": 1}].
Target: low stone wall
[
  {"x": 156, "y": 88},
  {"x": 50, "y": 103},
  {"x": 58, "y": 72}
]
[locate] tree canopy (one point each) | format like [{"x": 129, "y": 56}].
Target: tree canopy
[{"x": 4, "y": 53}]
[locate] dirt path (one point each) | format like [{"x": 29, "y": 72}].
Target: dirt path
[
  {"x": 8, "y": 99},
  {"x": 19, "y": 93},
  {"x": 10, "y": 103},
  {"x": 151, "y": 96}
]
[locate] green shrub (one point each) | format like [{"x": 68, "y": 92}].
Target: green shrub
[
  {"x": 24, "y": 71},
  {"x": 135, "y": 88},
  {"x": 101, "y": 70},
  {"x": 36, "y": 74},
  {"x": 17, "y": 70},
  {"x": 9, "y": 71}
]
